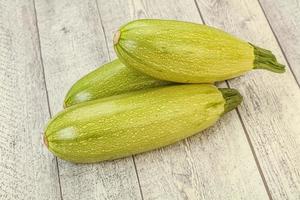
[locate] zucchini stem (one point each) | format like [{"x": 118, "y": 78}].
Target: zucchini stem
[
  {"x": 232, "y": 97},
  {"x": 265, "y": 59}
]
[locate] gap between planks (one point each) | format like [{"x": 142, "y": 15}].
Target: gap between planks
[
  {"x": 278, "y": 42},
  {"x": 106, "y": 43},
  {"x": 46, "y": 89}
]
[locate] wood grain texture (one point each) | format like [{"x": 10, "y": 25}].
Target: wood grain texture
[
  {"x": 216, "y": 164},
  {"x": 27, "y": 169},
  {"x": 284, "y": 18},
  {"x": 73, "y": 44},
  {"x": 271, "y": 108}
]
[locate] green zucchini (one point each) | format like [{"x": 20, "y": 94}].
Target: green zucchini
[
  {"x": 131, "y": 123},
  {"x": 187, "y": 52},
  {"x": 110, "y": 79}
]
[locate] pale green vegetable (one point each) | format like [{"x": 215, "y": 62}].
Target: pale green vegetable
[
  {"x": 187, "y": 52},
  {"x": 136, "y": 122},
  {"x": 110, "y": 79}
]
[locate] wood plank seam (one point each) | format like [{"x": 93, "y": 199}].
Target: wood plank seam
[
  {"x": 105, "y": 37},
  {"x": 254, "y": 154},
  {"x": 279, "y": 44},
  {"x": 244, "y": 128},
  {"x": 106, "y": 43},
  {"x": 46, "y": 89},
  {"x": 138, "y": 178}
]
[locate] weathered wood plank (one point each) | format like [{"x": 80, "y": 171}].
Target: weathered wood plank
[
  {"x": 27, "y": 169},
  {"x": 271, "y": 108},
  {"x": 284, "y": 18},
  {"x": 73, "y": 44},
  {"x": 217, "y": 164}
]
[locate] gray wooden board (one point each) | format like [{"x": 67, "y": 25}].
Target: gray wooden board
[
  {"x": 271, "y": 108},
  {"x": 284, "y": 18},
  {"x": 72, "y": 44},
  {"x": 27, "y": 169},
  {"x": 216, "y": 164},
  {"x": 219, "y": 163}
]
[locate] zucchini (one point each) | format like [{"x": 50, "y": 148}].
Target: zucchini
[
  {"x": 131, "y": 123},
  {"x": 187, "y": 52},
  {"x": 110, "y": 79}
]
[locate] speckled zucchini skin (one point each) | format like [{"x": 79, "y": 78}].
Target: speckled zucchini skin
[
  {"x": 110, "y": 79},
  {"x": 136, "y": 122},
  {"x": 188, "y": 52}
]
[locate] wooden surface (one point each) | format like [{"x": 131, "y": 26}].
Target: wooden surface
[
  {"x": 27, "y": 170},
  {"x": 283, "y": 16},
  {"x": 251, "y": 153}
]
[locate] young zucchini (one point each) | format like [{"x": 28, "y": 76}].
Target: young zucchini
[
  {"x": 187, "y": 52},
  {"x": 136, "y": 122},
  {"x": 110, "y": 79}
]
